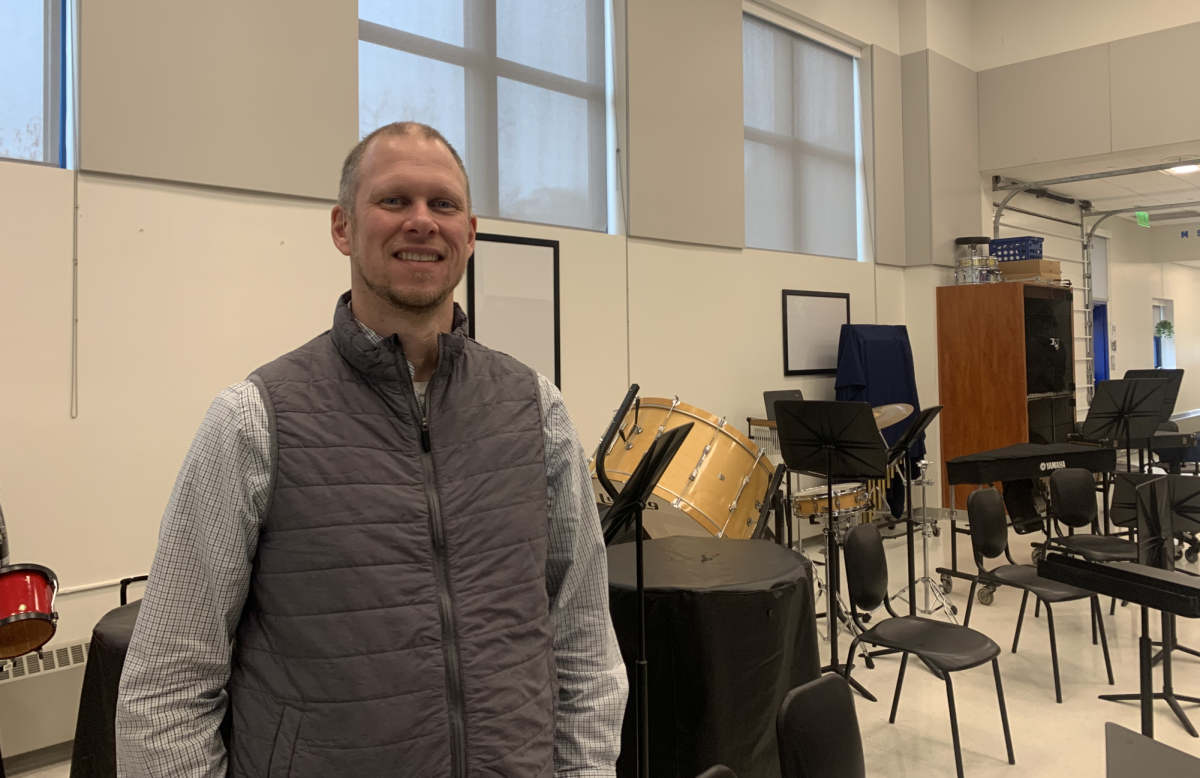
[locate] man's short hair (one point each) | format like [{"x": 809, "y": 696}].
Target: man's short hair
[{"x": 348, "y": 187}]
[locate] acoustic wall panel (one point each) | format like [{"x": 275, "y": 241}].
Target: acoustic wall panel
[
  {"x": 1045, "y": 109},
  {"x": 256, "y": 95},
  {"x": 1154, "y": 100},
  {"x": 685, "y": 147},
  {"x": 888, "y": 158}
]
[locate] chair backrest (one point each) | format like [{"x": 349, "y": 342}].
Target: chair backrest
[
  {"x": 866, "y": 567},
  {"x": 1073, "y": 496},
  {"x": 818, "y": 734},
  {"x": 718, "y": 771},
  {"x": 989, "y": 529},
  {"x": 770, "y": 398}
]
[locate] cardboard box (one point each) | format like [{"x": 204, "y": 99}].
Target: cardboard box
[{"x": 1031, "y": 269}]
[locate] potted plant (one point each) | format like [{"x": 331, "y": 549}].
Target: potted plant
[{"x": 1164, "y": 329}]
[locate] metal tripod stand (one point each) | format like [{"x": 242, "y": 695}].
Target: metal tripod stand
[{"x": 931, "y": 587}]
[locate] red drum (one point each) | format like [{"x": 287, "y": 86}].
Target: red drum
[{"x": 27, "y": 617}]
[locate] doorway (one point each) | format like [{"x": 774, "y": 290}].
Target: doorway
[{"x": 1100, "y": 341}]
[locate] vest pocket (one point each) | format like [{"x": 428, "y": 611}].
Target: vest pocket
[{"x": 285, "y": 744}]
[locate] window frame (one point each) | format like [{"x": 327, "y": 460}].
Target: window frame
[
  {"x": 54, "y": 88},
  {"x": 483, "y": 68}
]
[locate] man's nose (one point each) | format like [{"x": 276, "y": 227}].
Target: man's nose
[{"x": 420, "y": 220}]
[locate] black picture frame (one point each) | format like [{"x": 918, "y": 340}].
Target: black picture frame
[
  {"x": 551, "y": 244},
  {"x": 808, "y": 369}
]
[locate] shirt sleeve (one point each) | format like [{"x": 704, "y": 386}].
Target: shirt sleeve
[
  {"x": 593, "y": 685},
  {"x": 172, "y": 697}
]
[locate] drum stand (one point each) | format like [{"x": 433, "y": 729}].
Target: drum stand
[{"x": 925, "y": 582}]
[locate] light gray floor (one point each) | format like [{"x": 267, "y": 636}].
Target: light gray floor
[
  {"x": 1049, "y": 739},
  {"x": 61, "y": 770}
]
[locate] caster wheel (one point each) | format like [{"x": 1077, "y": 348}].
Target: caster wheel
[
  {"x": 1178, "y": 553},
  {"x": 953, "y": 610},
  {"x": 1191, "y": 555},
  {"x": 986, "y": 596},
  {"x": 1039, "y": 554},
  {"x": 937, "y": 530},
  {"x": 947, "y": 584}
]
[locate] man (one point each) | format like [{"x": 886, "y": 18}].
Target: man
[{"x": 382, "y": 556}]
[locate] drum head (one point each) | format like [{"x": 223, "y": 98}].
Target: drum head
[{"x": 24, "y": 634}]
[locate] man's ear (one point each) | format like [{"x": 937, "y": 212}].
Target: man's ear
[{"x": 339, "y": 229}]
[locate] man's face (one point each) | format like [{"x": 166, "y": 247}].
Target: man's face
[{"x": 412, "y": 231}]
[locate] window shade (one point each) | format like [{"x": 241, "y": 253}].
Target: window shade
[
  {"x": 800, "y": 143},
  {"x": 517, "y": 87}
]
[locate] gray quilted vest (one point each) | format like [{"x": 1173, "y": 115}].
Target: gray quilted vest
[{"x": 397, "y": 622}]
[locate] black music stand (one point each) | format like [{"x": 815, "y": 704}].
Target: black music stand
[
  {"x": 628, "y": 507},
  {"x": 1174, "y": 379},
  {"x": 1124, "y": 410},
  {"x": 833, "y": 439},
  {"x": 771, "y": 501},
  {"x": 902, "y": 449},
  {"x": 1156, "y": 548}
]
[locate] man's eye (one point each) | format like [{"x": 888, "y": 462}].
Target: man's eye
[
  {"x": 443, "y": 204},
  {"x": 391, "y": 201}
]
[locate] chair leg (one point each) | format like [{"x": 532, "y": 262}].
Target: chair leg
[
  {"x": 1003, "y": 711},
  {"x": 1103, "y": 639},
  {"x": 954, "y": 726},
  {"x": 970, "y": 602},
  {"x": 1053, "y": 653},
  {"x": 1020, "y": 620},
  {"x": 1094, "y": 612},
  {"x": 899, "y": 684},
  {"x": 849, "y": 658},
  {"x": 1112, "y": 609},
  {"x": 1037, "y": 610}
]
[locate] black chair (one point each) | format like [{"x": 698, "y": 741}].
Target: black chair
[
  {"x": 718, "y": 771},
  {"x": 989, "y": 540},
  {"x": 1073, "y": 502},
  {"x": 770, "y": 398},
  {"x": 817, "y": 730},
  {"x": 946, "y": 648}
]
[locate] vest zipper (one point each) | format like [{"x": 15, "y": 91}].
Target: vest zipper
[{"x": 456, "y": 703}]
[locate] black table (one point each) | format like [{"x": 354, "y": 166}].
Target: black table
[
  {"x": 94, "y": 753},
  {"x": 730, "y": 629}
]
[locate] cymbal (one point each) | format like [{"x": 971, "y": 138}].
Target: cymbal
[{"x": 887, "y": 415}]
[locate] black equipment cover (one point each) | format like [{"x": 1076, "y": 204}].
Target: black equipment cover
[{"x": 731, "y": 628}]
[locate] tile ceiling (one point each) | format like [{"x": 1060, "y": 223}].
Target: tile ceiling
[{"x": 1155, "y": 188}]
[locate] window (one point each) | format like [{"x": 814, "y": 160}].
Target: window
[
  {"x": 517, "y": 86},
  {"x": 801, "y": 143},
  {"x": 32, "y": 86}
]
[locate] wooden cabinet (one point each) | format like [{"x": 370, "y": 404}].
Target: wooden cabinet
[{"x": 1005, "y": 368}]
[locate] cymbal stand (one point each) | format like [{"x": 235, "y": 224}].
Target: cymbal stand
[{"x": 930, "y": 586}]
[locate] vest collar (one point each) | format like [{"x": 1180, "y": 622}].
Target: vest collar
[{"x": 377, "y": 360}]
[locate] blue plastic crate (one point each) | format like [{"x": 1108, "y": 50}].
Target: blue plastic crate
[{"x": 1008, "y": 249}]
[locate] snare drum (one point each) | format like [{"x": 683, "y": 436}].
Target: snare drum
[
  {"x": 814, "y": 503},
  {"x": 27, "y": 617}
]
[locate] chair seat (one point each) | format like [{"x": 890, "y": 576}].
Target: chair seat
[
  {"x": 1026, "y": 577},
  {"x": 948, "y": 647},
  {"x": 1100, "y": 548}
]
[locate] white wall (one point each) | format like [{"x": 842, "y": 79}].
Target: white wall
[{"x": 1019, "y": 30}]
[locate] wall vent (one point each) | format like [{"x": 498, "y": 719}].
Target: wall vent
[{"x": 48, "y": 661}]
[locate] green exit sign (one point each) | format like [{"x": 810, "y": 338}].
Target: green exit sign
[{"x": 1143, "y": 218}]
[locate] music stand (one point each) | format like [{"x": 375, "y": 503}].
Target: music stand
[
  {"x": 902, "y": 449},
  {"x": 771, "y": 502},
  {"x": 834, "y": 439},
  {"x": 1123, "y": 410},
  {"x": 1174, "y": 379},
  {"x": 629, "y": 506},
  {"x": 1156, "y": 548}
]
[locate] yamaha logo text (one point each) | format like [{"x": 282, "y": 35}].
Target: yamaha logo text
[{"x": 1053, "y": 465}]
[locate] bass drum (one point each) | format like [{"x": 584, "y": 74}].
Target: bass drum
[{"x": 713, "y": 487}]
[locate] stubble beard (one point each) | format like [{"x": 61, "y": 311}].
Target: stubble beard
[{"x": 401, "y": 300}]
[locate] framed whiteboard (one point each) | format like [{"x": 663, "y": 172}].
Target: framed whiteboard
[
  {"x": 812, "y": 328},
  {"x": 512, "y": 299}
]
